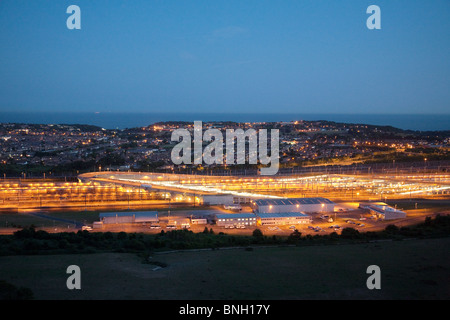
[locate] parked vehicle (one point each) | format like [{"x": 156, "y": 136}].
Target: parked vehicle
[{"x": 235, "y": 207}]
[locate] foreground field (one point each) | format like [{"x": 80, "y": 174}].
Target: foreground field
[{"x": 413, "y": 269}]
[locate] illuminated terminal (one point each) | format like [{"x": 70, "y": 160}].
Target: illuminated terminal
[
  {"x": 383, "y": 211},
  {"x": 236, "y": 220},
  {"x": 308, "y": 205},
  {"x": 286, "y": 218},
  {"x": 129, "y": 217}
]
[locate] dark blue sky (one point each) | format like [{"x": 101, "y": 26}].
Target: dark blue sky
[{"x": 252, "y": 56}]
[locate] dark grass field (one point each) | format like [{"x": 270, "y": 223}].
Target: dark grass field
[{"x": 413, "y": 269}]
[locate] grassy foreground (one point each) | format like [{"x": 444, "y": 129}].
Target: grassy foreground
[
  {"x": 410, "y": 269},
  {"x": 414, "y": 262}
]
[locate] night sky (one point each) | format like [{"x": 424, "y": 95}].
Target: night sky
[{"x": 225, "y": 56}]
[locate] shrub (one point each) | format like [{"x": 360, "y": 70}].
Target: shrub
[
  {"x": 392, "y": 229},
  {"x": 108, "y": 235},
  {"x": 25, "y": 233},
  {"x": 32, "y": 245},
  {"x": 350, "y": 233},
  {"x": 294, "y": 236},
  {"x": 134, "y": 244},
  {"x": 257, "y": 233},
  {"x": 122, "y": 235}
]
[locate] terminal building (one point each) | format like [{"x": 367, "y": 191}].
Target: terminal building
[
  {"x": 218, "y": 199},
  {"x": 129, "y": 217},
  {"x": 383, "y": 211},
  {"x": 223, "y": 199},
  {"x": 305, "y": 205},
  {"x": 287, "y": 218},
  {"x": 263, "y": 219},
  {"x": 236, "y": 220}
]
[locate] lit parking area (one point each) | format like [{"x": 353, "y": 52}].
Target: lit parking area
[{"x": 346, "y": 215}]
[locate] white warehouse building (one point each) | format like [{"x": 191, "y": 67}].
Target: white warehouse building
[
  {"x": 236, "y": 219},
  {"x": 384, "y": 212},
  {"x": 129, "y": 217},
  {"x": 218, "y": 199},
  {"x": 305, "y": 205},
  {"x": 223, "y": 199},
  {"x": 286, "y": 218}
]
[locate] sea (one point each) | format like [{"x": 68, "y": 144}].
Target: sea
[{"x": 111, "y": 120}]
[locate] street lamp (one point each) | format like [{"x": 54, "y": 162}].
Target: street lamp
[{"x": 168, "y": 212}]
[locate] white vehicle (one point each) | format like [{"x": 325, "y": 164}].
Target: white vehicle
[
  {"x": 87, "y": 228},
  {"x": 171, "y": 226},
  {"x": 236, "y": 207},
  {"x": 155, "y": 227}
]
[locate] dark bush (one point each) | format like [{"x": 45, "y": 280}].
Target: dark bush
[
  {"x": 334, "y": 235},
  {"x": 63, "y": 244},
  {"x": 350, "y": 233},
  {"x": 41, "y": 234},
  {"x": 295, "y": 236},
  {"x": 108, "y": 235},
  {"x": 122, "y": 235},
  {"x": 257, "y": 233},
  {"x": 25, "y": 233},
  {"x": 32, "y": 245},
  {"x": 392, "y": 229},
  {"x": 134, "y": 244}
]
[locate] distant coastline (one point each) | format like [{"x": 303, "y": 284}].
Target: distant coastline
[{"x": 421, "y": 122}]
